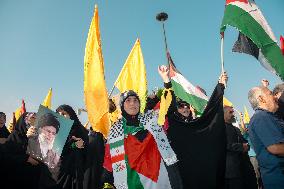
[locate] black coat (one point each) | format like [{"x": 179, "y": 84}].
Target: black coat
[
  {"x": 94, "y": 161},
  {"x": 235, "y": 149},
  {"x": 15, "y": 170},
  {"x": 200, "y": 144},
  {"x": 238, "y": 164},
  {"x": 72, "y": 163}
]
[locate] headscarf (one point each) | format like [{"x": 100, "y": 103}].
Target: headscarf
[
  {"x": 131, "y": 120},
  {"x": 77, "y": 128},
  {"x": 28, "y": 117},
  {"x": 21, "y": 126},
  {"x": 179, "y": 115}
]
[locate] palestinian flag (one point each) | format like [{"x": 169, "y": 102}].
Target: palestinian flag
[
  {"x": 185, "y": 90},
  {"x": 256, "y": 37}
]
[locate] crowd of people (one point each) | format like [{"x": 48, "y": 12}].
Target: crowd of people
[{"x": 186, "y": 151}]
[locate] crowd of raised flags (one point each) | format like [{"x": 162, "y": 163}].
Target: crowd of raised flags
[{"x": 255, "y": 38}]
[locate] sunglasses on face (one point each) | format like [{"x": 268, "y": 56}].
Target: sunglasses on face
[{"x": 183, "y": 105}]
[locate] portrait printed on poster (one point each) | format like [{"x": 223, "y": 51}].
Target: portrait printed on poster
[{"x": 47, "y": 145}]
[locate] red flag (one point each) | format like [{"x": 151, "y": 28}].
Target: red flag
[
  {"x": 23, "y": 108},
  {"x": 282, "y": 44}
]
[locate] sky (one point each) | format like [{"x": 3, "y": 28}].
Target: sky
[{"x": 42, "y": 45}]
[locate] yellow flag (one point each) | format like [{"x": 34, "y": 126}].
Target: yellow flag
[
  {"x": 18, "y": 113},
  {"x": 226, "y": 102},
  {"x": 47, "y": 100},
  {"x": 164, "y": 106},
  {"x": 95, "y": 91},
  {"x": 133, "y": 74},
  {"x": 246, "y": 116}
]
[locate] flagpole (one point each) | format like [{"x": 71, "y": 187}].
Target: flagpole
[
  {"x": 162, "y": 17},
  {"x": 222, "y": 55},
  {"x": 111, "y": 91}
]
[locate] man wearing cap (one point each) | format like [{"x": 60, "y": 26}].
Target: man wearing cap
[{"x": 41, "y": 145}]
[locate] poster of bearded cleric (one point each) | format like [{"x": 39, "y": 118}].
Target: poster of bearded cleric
[{"x": 51, "y": 133}]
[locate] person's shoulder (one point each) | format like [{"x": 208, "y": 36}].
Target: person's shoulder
[{"x": 262, "y": 115}]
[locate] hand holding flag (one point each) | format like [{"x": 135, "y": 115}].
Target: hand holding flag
[
  {"x": 164, "y": 73},
  {"x": 223, "y": 78}
]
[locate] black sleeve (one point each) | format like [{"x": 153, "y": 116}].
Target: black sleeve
[
  {"x": 107, "y": 177},
  {"x": 216, "y": 97},
  {"x": 15, "y": 148},
  {"x": 233, "y": 145},
  {"x": 151, "y": 103}
]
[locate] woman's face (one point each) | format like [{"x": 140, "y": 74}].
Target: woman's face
[
  {"x": 132, "y": 105},
  {"x": 64, "y": 113},
  {"x": 31, "y": 119}
]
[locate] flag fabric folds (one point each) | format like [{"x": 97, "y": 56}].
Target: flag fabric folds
[
  {"x": 256, "y": 37},
  {"x": 282, "y": 44},
  {"x": 95, "y": 91},
  {"x": 185, "y": 90},
  {"x": 226, "y": 102},
  {"x": 246, "y": 116},
  {"x": 133, "y": 74},
  {"x": 19, "y": 111},
  {"x": 47, "y": 100}
]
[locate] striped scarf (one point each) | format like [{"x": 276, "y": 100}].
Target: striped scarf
[{"x": 117, "y": 151}]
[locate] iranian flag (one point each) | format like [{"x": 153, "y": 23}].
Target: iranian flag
[
  {"x": 256, "y": 37},
  {"x": 185, "y": 90}
]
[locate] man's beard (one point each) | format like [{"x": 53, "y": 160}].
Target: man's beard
[{"x": 45, "y": 145}]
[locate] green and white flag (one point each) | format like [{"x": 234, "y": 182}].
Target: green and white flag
[
  {"x": 256, "y": 37},
  {"x": 185, "y": 90}
]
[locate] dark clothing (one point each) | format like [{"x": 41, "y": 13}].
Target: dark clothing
[
  {"x": 265, "y": 129},
  {"x": 235, "y": 149},
  {"x": 200, "y": 144},
  {"x": 280, "y": 111},
  {"x": 15, "y": 168},
  {"x": 234, "y": 183},
  {"x": 72, "y": 164},
  {"x": 72, "y": 168},
  {"x": 239, "y": 171},
  {"x": 4, "y": 133},
  {"x": 94, "y": 161}
]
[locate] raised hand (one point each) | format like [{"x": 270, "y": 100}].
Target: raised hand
[
  {"x": 223, "y": 78},
  {"x": 265, "y": 82},
  {"x": 164, "y": 73},
  {"x": 32, "y": 131}
]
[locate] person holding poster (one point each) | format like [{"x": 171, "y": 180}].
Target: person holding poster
[{"x": 41, "y": 147}]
